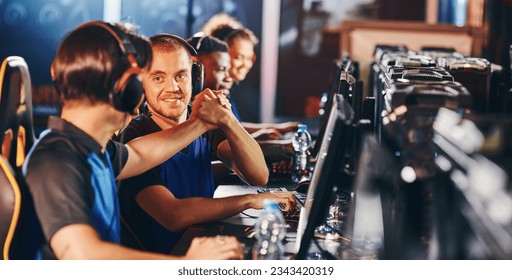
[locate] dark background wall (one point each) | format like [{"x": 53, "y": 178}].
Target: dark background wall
[{"x": 33, "y": 30}]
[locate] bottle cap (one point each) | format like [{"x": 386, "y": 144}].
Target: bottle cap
[
  {"x": 270, "y": 205},
  {"x": 302, "y": 127}
]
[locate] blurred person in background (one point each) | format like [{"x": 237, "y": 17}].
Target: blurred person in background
[{"x": 241, "y": 42}]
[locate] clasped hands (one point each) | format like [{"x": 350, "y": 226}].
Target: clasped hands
[{"x": 212, "y": 108}]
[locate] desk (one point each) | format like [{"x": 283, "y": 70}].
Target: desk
[
  {"x": 236, "y": 225},
  {"x": 239, "y": 224}
]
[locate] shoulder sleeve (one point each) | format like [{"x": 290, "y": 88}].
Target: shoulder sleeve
[
  {"x": 214, "y": 138},
  {"x": 118, "y": 156},
  {"x": 132, "y": 186},
  {"x": 139, "y": 126},
  {"x": 60, "y": 188}
]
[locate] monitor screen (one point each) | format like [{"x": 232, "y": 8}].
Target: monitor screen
[
  {"x": 344, "y": 86},
  {"x": 324, "y": 178}
]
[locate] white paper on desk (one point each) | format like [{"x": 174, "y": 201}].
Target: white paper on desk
[
  {"x": 231, "y": 190},
  {"x": 248, "y": 217}
]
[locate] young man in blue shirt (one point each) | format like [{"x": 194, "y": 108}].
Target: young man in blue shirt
[{"x": 159, "y": 204}]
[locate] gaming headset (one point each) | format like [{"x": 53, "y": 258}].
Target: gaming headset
[
  {"x": 197, "y": 39},
  {"x": 127, "y": 93},
  {"x": 197, "y": 67}
]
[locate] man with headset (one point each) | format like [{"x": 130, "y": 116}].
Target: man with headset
[
  {"x": 242, "y": 42},
  {"x": 71, "y": 171},
  {"x": 167, "y": 199}
]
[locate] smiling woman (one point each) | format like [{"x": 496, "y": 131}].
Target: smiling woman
[
  {"x": 241, "y": 42},
  {"x": 242, "y": 55}
]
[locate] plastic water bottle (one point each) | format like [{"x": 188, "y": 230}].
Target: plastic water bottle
[
  {"x": 301, "y": 142},
  {"x": 270, "y": 231}
]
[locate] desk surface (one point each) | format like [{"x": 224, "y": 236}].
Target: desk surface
[
  {"x": 239, "y": 224},
  {"x": 235, "y": 225}
]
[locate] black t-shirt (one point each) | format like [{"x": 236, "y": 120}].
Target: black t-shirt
[{"x": 72, "y": 181}]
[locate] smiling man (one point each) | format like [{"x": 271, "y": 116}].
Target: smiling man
[
  {"x": 214, "y": 55},
  {"x": 157, "y": 205}
]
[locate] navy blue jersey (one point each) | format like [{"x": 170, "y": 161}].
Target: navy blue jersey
[
  {"x": 72, "y": 181},
  {"x": 234, "y": 109},
  {"x": 187, "y": 174}
]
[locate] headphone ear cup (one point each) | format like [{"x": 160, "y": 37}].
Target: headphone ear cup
[
  {"x": 197, "y": 78},
  {"x": 129, "y": 98}
]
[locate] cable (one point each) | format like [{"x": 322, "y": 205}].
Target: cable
[{"x": 247, "y": 215}]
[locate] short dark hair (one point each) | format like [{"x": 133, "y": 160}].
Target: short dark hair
[
  {"x": 89, "y": 61},
  {"x": 208, "y": 45}
]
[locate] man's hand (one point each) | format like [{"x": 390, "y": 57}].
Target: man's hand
[
  {"x": 215, "y": 248},
  {"x": 211, "y": 107},
  {"x": 222, "y": 99},
  {"x": 286, "y": 199}
]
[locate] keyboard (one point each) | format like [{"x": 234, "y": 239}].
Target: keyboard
[{"x": 300, "y": 198}]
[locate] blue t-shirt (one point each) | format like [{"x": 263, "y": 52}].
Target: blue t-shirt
[
  {"x": 187, "y": 174},
  {"x": 234, "y": 109}
]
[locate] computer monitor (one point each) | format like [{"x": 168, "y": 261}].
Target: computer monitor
[
  {"x": 344, "y": 87},
  {"x": 324, "y": 179}
]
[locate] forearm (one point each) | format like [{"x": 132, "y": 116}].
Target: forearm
[
  {"x": 281, "y": 127},
  {"x": 243, "y": 154},
  {"x": 81, "y": 242},
  {"x": 112, "y": 251},
  {"x": 150, "y": 150},
  {"x": 183, "y": 213},
  {"x": 253, "y": 126}
]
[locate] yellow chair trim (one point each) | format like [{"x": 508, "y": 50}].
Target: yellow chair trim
[{"x": 17, "y": 205}]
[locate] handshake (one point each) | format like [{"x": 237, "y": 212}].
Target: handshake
[{"x": 212, "y": 108}]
